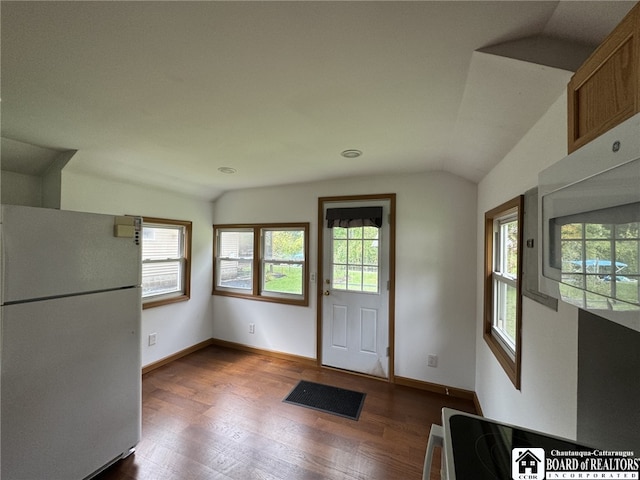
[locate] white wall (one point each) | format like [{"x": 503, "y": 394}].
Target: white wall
[
  {"x": 179, "y": 325},
  {"x": 435, "y": 299},
  {"x": 547, "y": 400},
  {"x": 19, "y": 189}
]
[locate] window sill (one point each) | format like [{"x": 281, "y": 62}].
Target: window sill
[
  {"x": 504, "y": 359},
  {"x": 302, "y": 302},
  {"x": 164, "y": 301}
]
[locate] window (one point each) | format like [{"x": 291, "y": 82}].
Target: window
[
  {"x": 601, "y": 261},
  {"x": 166, "y": 266},
  {"x": 355, "y": 259},
  {"x": 502, "y": 287},
  {"x": 262, "y": 262}
]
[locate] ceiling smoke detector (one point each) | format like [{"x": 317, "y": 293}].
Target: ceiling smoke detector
[
  {"x": 228, "y": 170},
  {"x": 351, "y": 153}
]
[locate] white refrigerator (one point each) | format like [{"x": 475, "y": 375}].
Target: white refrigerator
[{"x": 70, "y": 385}]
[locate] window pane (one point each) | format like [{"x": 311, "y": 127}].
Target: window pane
[
  {"x": 370, "y": 279},
  {"x": 627, "y": 257},
  {"x": 627, "y": 277},
  {"x": 355, "y": 260},
  {"x": 628, "y": 230},
  {"x": 597, "y": 284},
  {"x": 165, "y": 269},
  {"x": 509, "y": 248},
  {"x": 282, "y": 253},
  {"x": 370, "y": 233},
  {"x": 283, "y": 278},
  {"x": 340, "y": 251},
  {"x": 510, "y": 327},
  {"x": 598, "y": 257},
  {"x": 283, "y": 245},
  {"x": 340, "y": 277},
  {"x": 572, "y": 256},
  {"x": 575, "y": 280},
  {"x": 355, "y": 232},
  {"x": 237, "y": 244},
  {"x": 355, "y": 252},
  {"x": 597, "y": 230},
  {"x": 235, "y": 267},
  {"x": 627, "y": 288},
  {"x": 161, "y": 278},
  {"x": 235, "y": 274},
  {"x": 505, "y": 312},
  {"x": 608, "y": 259},
  {"x": 354, "y": 280},
  {"x": 160, "y": 243},
  {"x": 370, "y": 252},
  {"x": 339, "y": 232},
  {"x": 571, "y": 230}
]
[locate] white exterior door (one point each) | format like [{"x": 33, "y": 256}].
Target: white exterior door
[{"x": 355, "y": 294}]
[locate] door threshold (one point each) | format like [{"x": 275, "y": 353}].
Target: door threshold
[{"x": 358, "y": 374}]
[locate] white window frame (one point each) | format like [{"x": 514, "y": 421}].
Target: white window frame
[
  {"x": 183, "y": 292},
  {"x": 502, "y": 281},
  {"x": 221, "y": 257}
]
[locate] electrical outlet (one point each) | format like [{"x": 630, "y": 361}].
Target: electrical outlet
[
  {"x": 152, "y": 338},
  {"x": 432, "y": 360},
  {"x": 252, "y": 328}
]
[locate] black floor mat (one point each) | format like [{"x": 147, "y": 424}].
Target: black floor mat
[{"x": 325, "y": 398}]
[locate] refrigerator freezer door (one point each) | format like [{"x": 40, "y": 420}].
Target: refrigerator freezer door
[
  {"x": 49, "y": 253},
  {"x": 71, "y": 384}
]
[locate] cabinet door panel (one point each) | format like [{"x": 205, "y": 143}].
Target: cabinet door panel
[{"x": 605, "y": 91}]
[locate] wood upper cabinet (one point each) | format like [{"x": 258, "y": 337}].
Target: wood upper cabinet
[{"x": 606, "y": 89}]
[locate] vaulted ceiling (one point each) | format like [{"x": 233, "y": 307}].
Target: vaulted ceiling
[{"x": 167, "y": 93}]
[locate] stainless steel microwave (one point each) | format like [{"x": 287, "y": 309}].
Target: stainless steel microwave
[{"x": 589, "y": 210}]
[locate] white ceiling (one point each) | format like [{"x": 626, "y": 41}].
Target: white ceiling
[{"x": 164, "y": 93}]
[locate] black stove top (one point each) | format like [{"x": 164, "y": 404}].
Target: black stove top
[{"x": 482, "y": 449}]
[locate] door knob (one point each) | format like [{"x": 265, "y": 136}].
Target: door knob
[{"x": 327, "y": 293}]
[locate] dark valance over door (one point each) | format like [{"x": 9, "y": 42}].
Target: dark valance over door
[{"x": 354, "y": 217}]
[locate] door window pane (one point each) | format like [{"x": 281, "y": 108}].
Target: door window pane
[{"x": 355, "y": 259}]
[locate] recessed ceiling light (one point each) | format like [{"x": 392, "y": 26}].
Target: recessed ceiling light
[
  {"x": 352, "y": 153},
  {"x": 228, "y": 170}
]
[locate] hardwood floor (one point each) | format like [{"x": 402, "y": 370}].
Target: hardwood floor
[{"x": 218, "y": 414}]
